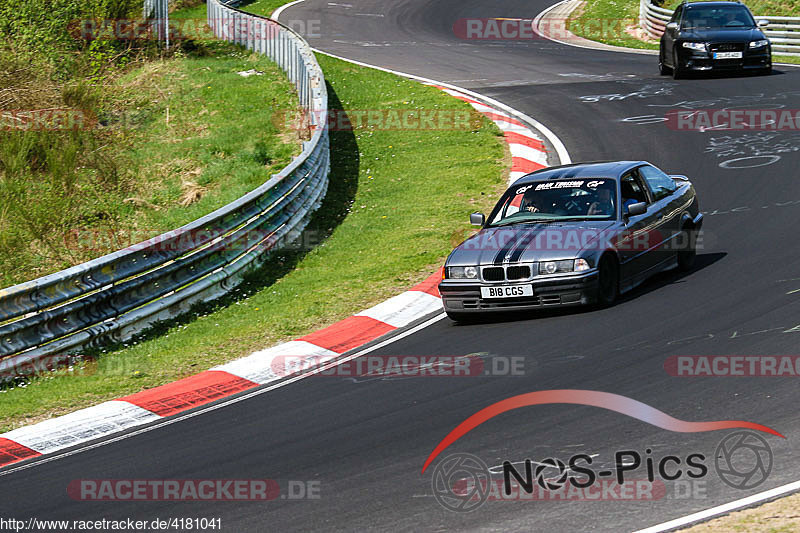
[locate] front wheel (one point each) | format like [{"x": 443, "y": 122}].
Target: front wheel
[
  {"x": 677, "y": 72},
  {"x": 608, "y": 281},
  {"x": 662, "y": 68}
]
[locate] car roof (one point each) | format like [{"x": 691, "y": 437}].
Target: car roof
[
  {"x": 712, "y": 4},
  {"x": 604, "y": 169}
]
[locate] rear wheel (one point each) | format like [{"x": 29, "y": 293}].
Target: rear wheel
[
  {"x": 608, "y": 281},
  {"x": 688, "y": 252}
]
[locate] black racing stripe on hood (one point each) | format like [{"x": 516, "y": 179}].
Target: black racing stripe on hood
[
  {"x": 501, "y": 254},
  {"x": 524, "y": 242},
  {"x": 512, "y": 244}
]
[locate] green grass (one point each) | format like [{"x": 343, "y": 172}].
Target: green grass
[
  {"x": 398, "y": 201},
  {"x": 262, "y": 7},
  {"x": 180, "y": 137},
  {"x": 776, "y": 8},
  {"x": 220, "y": 133},
  {"x": 583, "y": 21}
]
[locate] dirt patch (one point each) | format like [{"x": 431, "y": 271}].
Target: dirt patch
[{"x": 776, "y": 517}]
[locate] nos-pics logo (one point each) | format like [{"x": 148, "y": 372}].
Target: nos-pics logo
[{"x": 462, "y": 482}]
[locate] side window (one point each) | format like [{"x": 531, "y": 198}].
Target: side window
[
  {"x": 510, "y": 207},
  {"x": 632, "y": 190},
  {"x": 660, "y": 184}
]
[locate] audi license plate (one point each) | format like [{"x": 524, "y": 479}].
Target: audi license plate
[
  {"x": 512, "y": 291},
  {"x": 727, "y": 55}
]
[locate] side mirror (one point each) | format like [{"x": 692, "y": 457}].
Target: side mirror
[
  {"x": 477, "y": 219},
  {"x": 672, "y": 26},
  {"x": 762, "y": 23},
  {"x": 636, "y": 209}
]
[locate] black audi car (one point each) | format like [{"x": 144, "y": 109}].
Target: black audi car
[
  {"x": 714, "y": 36},
  {"x": 571, "y": 235}
]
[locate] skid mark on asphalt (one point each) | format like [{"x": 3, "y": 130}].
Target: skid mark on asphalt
[
  {"x": 709, "y": 336},
  {"x": 742, "y": 150},
  {"x": 746, "y": 208},
  {"x": 750, "y": 150}
]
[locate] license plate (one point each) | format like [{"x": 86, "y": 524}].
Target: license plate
[
  {"x": 511, "y": 291},
  {"x": 727, "y": 55}
]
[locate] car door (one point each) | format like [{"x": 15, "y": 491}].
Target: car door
[
  {"x": 662, "y": 189},
  {"x": 641, "y": 234},
  {"x": 670, "y": 34}
]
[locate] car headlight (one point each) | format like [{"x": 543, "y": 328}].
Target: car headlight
[
  {"x": 462, "y": 272},
  {"x": 558, "y": 267},
  {"x": 695, "y": 46},
  {"x": 759, "y": 44}
]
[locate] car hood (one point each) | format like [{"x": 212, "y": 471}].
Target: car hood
[
  {"x": 726, "y": 35},
  {"x": 530, "y": 242}
]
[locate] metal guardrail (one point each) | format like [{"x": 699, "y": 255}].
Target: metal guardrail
[
  {"x": 118, "y": 295},
  {"x": 159, "y": 11},
  {"x": 782, "y": 32}
]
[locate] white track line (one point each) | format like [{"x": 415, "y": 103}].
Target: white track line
[
  {"x": 279, "y": 10},
  {"x": 561, "y": 150},
  {"x": 724, "y": 508}
]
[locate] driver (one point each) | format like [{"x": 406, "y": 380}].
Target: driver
[
  {"x": 603, "y": 204},
  {"x": 534, "y": 204},
  {"x": 731, "y": 18}
]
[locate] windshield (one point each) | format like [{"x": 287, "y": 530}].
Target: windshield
[
  {"x": 706, "y": 18},
  {"x": 557, "y": 200}
]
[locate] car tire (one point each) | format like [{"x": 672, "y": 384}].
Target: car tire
[
  {"x": 765, "y": 71},
  {"x": 677, "y": 72},
  {"x": 687, "y": 255},
  {"x": 607, "y": 281},
  {"x": 662, "y": 68}
]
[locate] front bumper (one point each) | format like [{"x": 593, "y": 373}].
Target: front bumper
[
  {"x": 703, "y": 61},
  {"x": 465, "y": 296}
]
